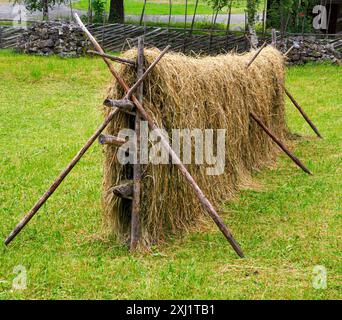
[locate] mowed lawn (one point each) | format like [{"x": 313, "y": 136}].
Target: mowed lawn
[
  {"x": 162, "y": 7},
  {"x": 292, "y": 223}
]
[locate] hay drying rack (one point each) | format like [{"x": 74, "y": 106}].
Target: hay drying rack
[{"x": 131, "y": 103}]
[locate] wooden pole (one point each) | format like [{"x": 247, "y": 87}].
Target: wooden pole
[
  {"x": 305, "y": 116},
  {"x": 124, "y": 105},
  {"x": 59, "y": 179},
  {"x": 295, "y": 103},
  {"x": 288, "y": 51},
  {"x": 256, "y": 55},
  {"x": 193, "y": 20},
  {"x": 228, "y": 22},
  {"x": 185, "y": 22},
  {"x": 142, "y": 13},
  {"x": 250, "y": 42},
  {"x": 135, "y": 222},
  {"x": 274, "y": 38},
  {"x": 199, "y": 193},
  {"x": 280, "y": 144},
  {"x": 113, "y": 58},
  {"x": 124, "y": 190},
  {"x": 111, "y": 140},
  {"x": 146, "y": 73}
]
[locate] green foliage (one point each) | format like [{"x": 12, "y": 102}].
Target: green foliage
[
  {"x": 218, "y": 5},
  {"x": 252, "y": 10},
  {"x": 291, "y": 15},
  {"x": 99, "y": 10},
  {"x": 134, "y": 7},
  {"x": 33, "y": 5}
]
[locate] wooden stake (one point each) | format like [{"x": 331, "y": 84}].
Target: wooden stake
[
  {"x": 274, "y": 38},
  {"x": 59, "y": 179},
  {"x": 199, "y": 193},
  {"x": 280, "y": 144},
  {"x": 256, "y": 55},
  {"x": 288, "y": 51},
  {"x": 135, "y": 222},
  {"x": 111, "y": 140},
  {"x": 305, "y": 116},
  {"x": 113, "y": 58},
  {"x": 250, "y": 42},
  {"x": 124, "y": 190},
  {"x": 124, "y": 105}
]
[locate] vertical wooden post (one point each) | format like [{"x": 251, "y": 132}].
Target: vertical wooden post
[
  {"x": 135, "y": 222},
  {"x": 0, "y": 37},
  {"x": 274, "y": 38}
]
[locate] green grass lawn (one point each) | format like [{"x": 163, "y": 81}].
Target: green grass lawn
[
  {"x": 49, "y": 108},
  {"x": 162, "y": 7}
]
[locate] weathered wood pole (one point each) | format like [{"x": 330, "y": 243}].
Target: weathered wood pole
[
  {"x": 142, "y": 13},
  {"x": 274, "y": 38},
  {"x": 228, "y": 22},
  {"x": 135, "y": 222},
  {"x": 288, "y": 51},
  {"x": 145, "y": 74},
  {"x": 59, "y": 179},
  {"x": 124, "y": 105},
  {"x": 185, "y": 23},
  {"x": 305, "y": 116},
  {"x": 280, "y": 144},
  {"x": 250, "y": 42},
  {"x": 111, "y": 140},
  {"x": 295, "y": 103},
  {"x": 193, "y": 20},
  {"x": 256, "y": 55},
  {"x": 124, "y": 190},
  {"x": 113, "y": 58},
  {"x": 199, "y": 193}
]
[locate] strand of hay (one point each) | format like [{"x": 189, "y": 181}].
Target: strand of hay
[{"x": 206, "y": 93}]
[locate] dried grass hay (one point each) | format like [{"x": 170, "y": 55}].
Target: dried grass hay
[{"x": 204, "y": 92}]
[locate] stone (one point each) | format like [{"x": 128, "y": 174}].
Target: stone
[
  {"x": 306, "y": 50},
  {"x": 49, "y": 38}
]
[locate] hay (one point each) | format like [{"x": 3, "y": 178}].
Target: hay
[{"x": 208, "y": 92}]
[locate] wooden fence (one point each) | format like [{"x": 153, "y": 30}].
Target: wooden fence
[
  {"x": 118, "y": 37},
  {"x": 9, "y": 36}
]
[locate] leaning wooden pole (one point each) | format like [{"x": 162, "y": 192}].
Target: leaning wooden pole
[
  {"x": 302, "y": 112},
  {"x": 59, "y": 179},
  {"x": 280, "y": 144},
  {"x": 199, "y": 193},
  {"x": 256, "y": 55},
  {"x": 113, "y": 58},
  {"x": 295, "y": 103},
  {"x": 135, "y": 220}
]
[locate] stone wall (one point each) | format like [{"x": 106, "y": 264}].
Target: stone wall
[
  {"x": 309, "y": 49},
  {"x": 58, "y": 38}
]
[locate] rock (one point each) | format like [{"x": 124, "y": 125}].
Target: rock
[
  {"x": 306, "y": 50},
  {"x": 48, "y": 38}
]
